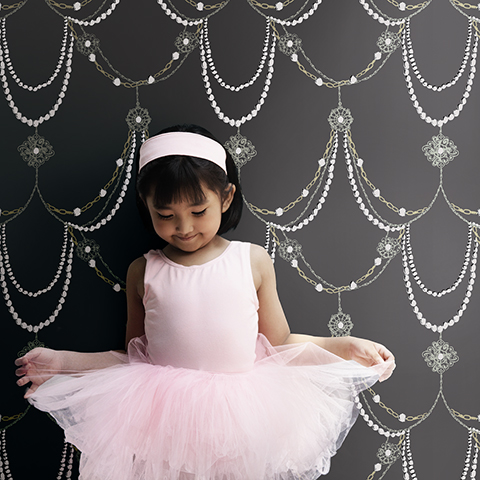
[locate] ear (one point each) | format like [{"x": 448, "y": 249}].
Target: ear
[{"x": 228, "y": 198}]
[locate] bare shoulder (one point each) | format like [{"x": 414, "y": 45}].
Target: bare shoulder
[
  {"x": 261, "y": 263},
  {"x": 135, "y": 275}
]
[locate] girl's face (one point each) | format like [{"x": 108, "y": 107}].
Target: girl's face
[{"x": 189, "y": 226}]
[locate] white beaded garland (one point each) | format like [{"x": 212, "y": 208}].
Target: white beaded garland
[
  {"x": 65, "y": 470},
  {"x": 63, "y": 55},
  {"x": 386, "y": 432},
  {"x": 300, "y": 19},
  {"x": 413, "y": 97},
  {"x": 9, "y": 270},
  {"x": 408, "y": 466},
  {"x": 253, "y": 113},
  {"x": 326, "y": 188},
  {"x": 379, "y": 18},
  {"x": 30, "y": 122},
  {"x": 179, "y": 19},
  {"x": 211, "y": 65},
  {"x": 408, "y": 255},
  {"x": 382, "y": 225},
  {"x": 409, "y": 56},
  {"x": 95, "y": 21},
  {"x": 61, "y": 301},
  {"x": 411, "y": 297},
  {"x": 113, "y": 211}
]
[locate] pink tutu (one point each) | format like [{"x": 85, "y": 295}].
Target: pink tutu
[{"x": 284, "y": 419}]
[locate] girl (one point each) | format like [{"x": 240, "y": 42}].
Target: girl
[{"x": 214, "y": 386}]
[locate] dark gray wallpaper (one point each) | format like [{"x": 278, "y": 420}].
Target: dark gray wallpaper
[{"x": 88, "y": 134}]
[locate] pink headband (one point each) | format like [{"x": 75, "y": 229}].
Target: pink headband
[{"x": 182, "y": 143}]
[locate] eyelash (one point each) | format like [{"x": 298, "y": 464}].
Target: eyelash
[{"x": 168, "y": 217}]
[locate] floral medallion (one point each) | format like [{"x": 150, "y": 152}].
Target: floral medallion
[
  {"x": 289, "y": 44},
  {"x": 388, "y": 247},
  {"x": 440, "y": 356},
  {"x": 340, "y": 324},
  {"x": 388, "y": 453},
  {"x": 186, "y": 42},
  {"x": 290, "y": 250},
  {"x": 388, "y": 41},
  {"x": 87, "y": 249},
  {"x": 138, "y": 119},
  {"x": 440, "y": 150},
  {"x": 241, "y": 149},
  {"x": 340, "y": 119},
  {"x": 36, "y": 150},
  {"x": 87, "y": 44}
]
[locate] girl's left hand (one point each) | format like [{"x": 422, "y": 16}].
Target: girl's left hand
[{"x": 370, "y": 353}]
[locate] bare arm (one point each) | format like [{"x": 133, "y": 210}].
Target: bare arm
[
  {"x": 274, "y": 325},
  {"x": 40, "y": 364},
  {"x": 135, "y": 292}
]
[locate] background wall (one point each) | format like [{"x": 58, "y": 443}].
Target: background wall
[{"x": 88, "y": 134}]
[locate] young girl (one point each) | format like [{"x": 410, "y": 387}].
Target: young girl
[{"x": 213, "y": 386}]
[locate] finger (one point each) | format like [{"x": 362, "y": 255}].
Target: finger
[
  {"x": 384, "y": 352},
  {"x": 20, "y": 361},
  {"x": 30, "y": 391},
  {"x": 23, "y": 381}
]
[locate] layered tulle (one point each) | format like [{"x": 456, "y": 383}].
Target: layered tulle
[{"x": 284, "y": 419}]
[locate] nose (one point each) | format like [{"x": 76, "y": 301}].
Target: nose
[{"x": 184, "y": 226}]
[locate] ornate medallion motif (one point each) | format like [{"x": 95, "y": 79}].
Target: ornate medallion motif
[
  {"x": 289, "y": 250},
  {"x": 186, "y": 42},
  {"x": 388, "y": 453},
  {"x": 241, "y": 149},
  {"x": 388, "y": 247},
  {"x": 36, "y": 150},
  {"x": 440, "y": 150},
  {"x": 289, "y": 44},
  {"x": 388, "y": 41},
  {"x": 440, "y": 356},
  {"x": 340, "y": 119},
  {"x": 340, "y": 324},
  {"x": 87, "y": 44},
  {"x": 138, "y": 119},
  {"x": 87, "y": 250},
  {"x": 30, "y": 346}
]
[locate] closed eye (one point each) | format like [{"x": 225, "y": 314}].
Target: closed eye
[
  {"x": 199, "y": 214},
  {"x": 164, "y": 217}
]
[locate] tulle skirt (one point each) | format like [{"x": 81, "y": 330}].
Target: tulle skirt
[{"x": 282, "y": 420}]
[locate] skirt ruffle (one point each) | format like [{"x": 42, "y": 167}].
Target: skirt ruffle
[{"x": 282, "y": 420}]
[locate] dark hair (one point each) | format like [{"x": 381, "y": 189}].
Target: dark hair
[{"x": 177, "y": 177}]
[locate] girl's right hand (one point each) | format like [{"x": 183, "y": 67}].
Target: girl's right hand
[{"x": 37, "y": 366}]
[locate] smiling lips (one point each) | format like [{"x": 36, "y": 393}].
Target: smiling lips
[{"x": 186, "y": 239}]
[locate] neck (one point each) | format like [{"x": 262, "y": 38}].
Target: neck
[{"x": 209, "y": 252}]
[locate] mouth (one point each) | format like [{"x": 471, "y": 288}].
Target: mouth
[{"x": 187, "y": 238}]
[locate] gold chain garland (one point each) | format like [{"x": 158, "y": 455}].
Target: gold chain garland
[
  {"x": 467, "y": 6},
  {"x": 64, "y": 6},
  {"x": 292, "y": 204},
  {"x": 266, "y": 6},
  {"x": 206, "y": 7},
  {"x": 407, "y": 7},
  {"x": 390, "y": 205},
  {"x": 97, "y": 270},
  {"x": 12, "y": 7},
  {"x": 340, "y": 83},
  {"x": 390, "y": 411},
  {"x": 128, "y": 84},
  {"x": 62, "y": 211},
  {"x": 331, "y": 290},
  {"x": 11, "y": 212}
]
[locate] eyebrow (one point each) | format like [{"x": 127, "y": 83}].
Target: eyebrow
[{"x": 195, "y": 204}]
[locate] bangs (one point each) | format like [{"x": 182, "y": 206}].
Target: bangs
[{"x": 178, "y": 185}]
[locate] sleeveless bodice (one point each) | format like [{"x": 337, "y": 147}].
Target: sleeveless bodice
[{"x": 202, "y": 317}]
